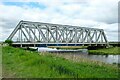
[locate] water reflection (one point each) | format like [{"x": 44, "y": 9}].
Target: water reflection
[
  {"x": 111, "y": 59},
  {"x": 104, "y": 58}
]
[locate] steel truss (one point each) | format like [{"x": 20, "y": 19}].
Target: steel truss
[{"x": 37, "y": 32}]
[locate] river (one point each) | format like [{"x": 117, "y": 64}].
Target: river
[{"x": 111, "y": 59}]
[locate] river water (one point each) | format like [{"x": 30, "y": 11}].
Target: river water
[{"x": 111, "y": 59}]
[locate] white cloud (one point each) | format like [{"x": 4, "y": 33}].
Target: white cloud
[
  {"x": 96, "y": 14},
  {"x": 111, "y": 31}
]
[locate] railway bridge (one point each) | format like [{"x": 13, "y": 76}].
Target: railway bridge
[{"x": 40, "y": 34}]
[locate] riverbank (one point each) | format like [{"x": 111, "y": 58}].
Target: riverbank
[
  {"x": 106, "y": 51},
  {"x": 102, "y": 51},
  {"x": 21, "y": 63}
]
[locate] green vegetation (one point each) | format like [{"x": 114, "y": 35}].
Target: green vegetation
[
  {"x": 0, "y": 61},
  {"x": 9, "y": 42},
  {"x": 107, "y": 51},
  {"x": 23, "y": 63},
  {"x": 68, "y": 47}
]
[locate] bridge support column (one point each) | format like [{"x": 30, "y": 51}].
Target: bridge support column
[{"x": 20, "y": 45}]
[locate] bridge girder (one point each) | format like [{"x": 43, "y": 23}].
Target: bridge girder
[{"x": 55, "y": 33}]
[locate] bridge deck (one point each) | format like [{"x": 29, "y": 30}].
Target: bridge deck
[
  {"x": 55, "y": 44},
  {"x": 60, "y": 43}
]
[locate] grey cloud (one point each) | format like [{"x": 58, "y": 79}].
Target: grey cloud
[{"x": 8, "y": 24}]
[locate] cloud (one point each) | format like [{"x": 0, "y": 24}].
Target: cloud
[
  {"x": 96, "y": 14},
  {"x": 111, "y": 31},
  {"x": 98, "y": 10}
]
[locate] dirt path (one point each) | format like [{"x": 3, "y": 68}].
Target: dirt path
[{"x": 0, "y": 61}]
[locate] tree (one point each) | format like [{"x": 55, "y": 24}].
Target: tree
[{"x": 9, "y": 42}]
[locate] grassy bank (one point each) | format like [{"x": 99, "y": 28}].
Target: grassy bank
[
  {"x": 22, "y": 63},
  {"x": 107, "y": 51}
]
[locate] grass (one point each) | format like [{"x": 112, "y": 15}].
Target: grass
[
  {"x": 19, "y": 63},
  {"x": 0, "y": 61},
  {"x": 107, "y": 51}
]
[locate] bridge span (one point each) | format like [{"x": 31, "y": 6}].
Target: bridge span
[{"x": 29, "y": 33}]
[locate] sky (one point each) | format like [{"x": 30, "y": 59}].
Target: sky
[{"x": 102, "y": 14}]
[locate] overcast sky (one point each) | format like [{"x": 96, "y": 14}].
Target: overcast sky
[{"x": 101, "y": 14}]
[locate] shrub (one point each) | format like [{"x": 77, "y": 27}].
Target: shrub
[{"x": 9, "y": 42}]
